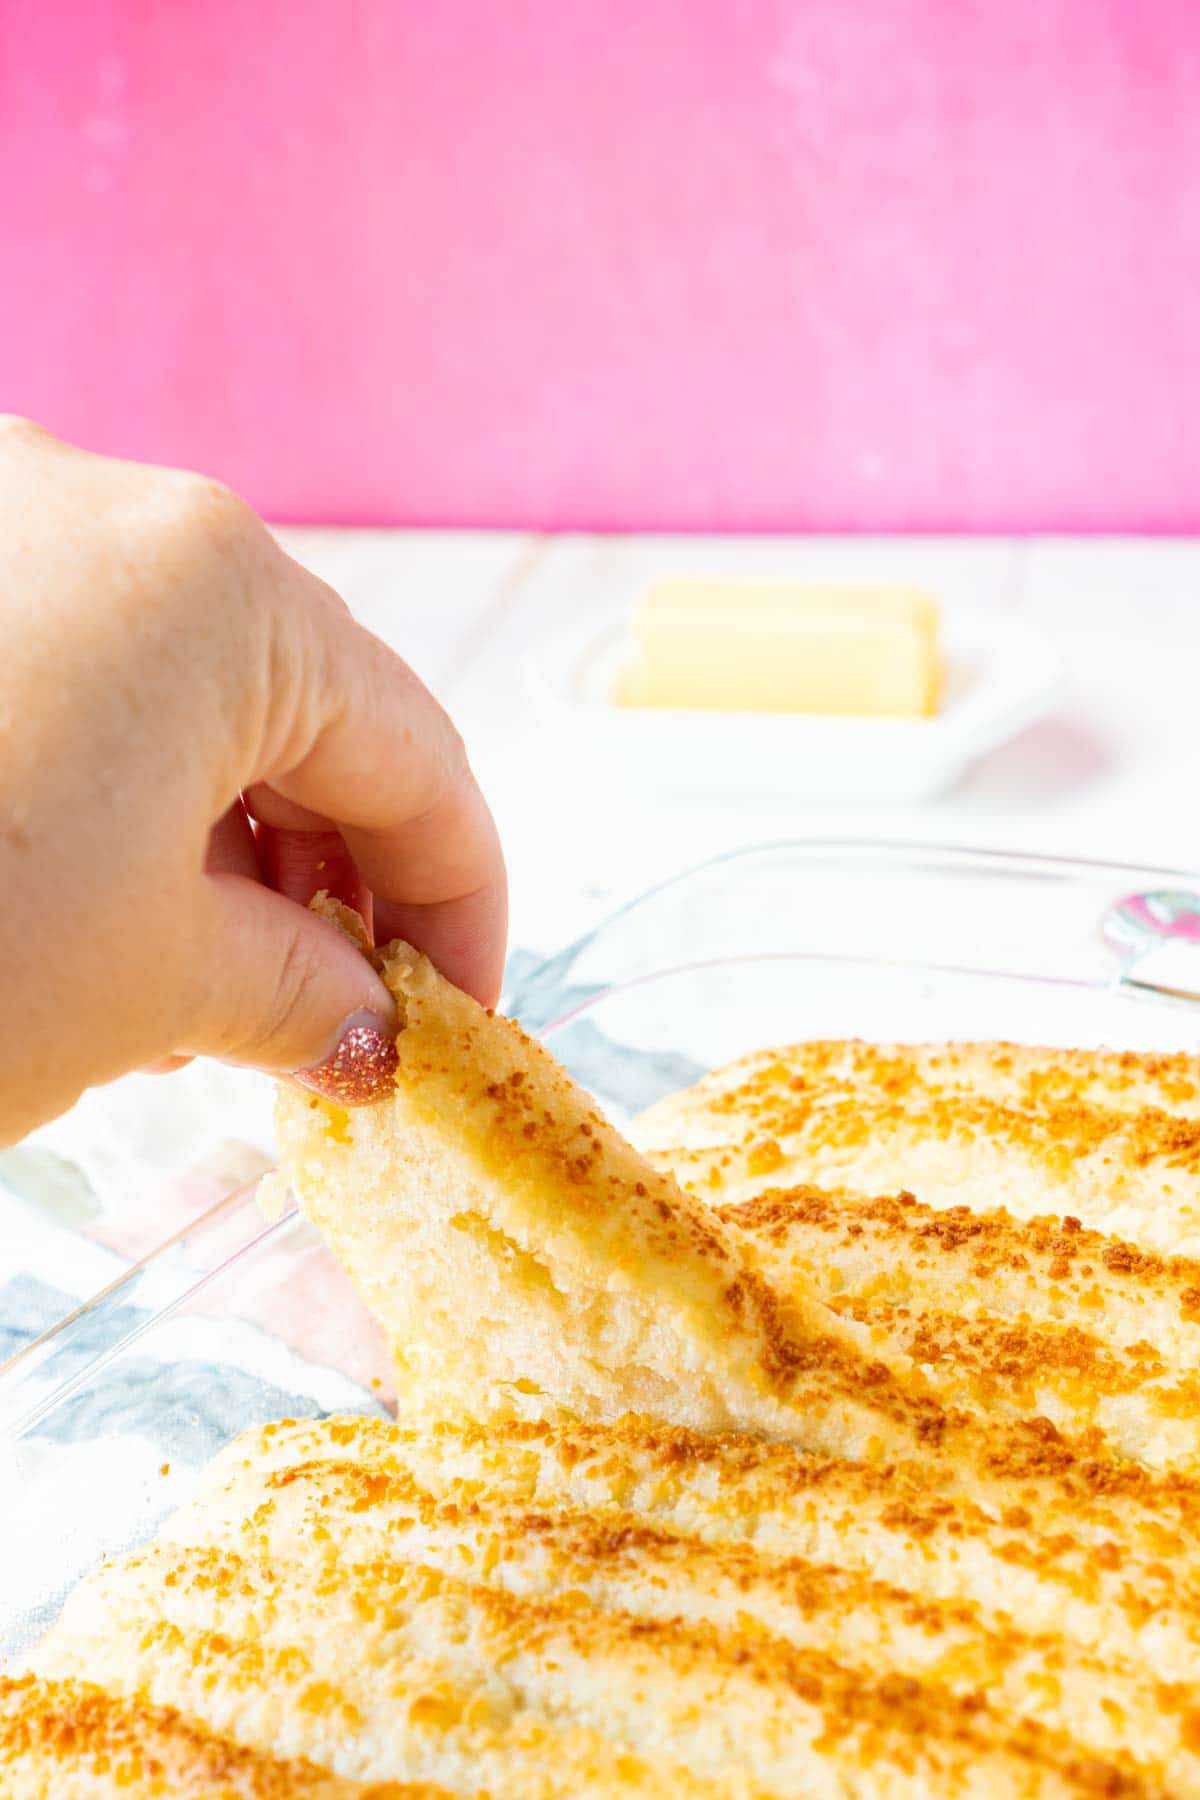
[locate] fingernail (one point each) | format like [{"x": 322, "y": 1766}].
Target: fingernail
[{"x": 362, "y": 1066}]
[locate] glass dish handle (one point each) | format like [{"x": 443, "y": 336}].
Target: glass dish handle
[{"x": 1156, "y": 939}]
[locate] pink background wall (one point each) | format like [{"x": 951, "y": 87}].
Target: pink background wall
[{"x": 745, "y": 263}]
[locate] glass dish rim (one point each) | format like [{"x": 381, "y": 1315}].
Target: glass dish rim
[{"x": 999, "y": 861}]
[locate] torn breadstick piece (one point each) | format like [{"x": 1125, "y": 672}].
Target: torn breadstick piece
[{"x": 524, "y": 1260}]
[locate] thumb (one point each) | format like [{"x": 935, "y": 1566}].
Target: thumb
[{"x": 282, "y": 989}]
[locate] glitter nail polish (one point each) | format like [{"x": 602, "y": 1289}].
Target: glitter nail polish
[{"x": 361, "y": 1068}]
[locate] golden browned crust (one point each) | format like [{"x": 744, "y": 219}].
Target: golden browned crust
[
  {"x": 514, "y": 1654},
  {"x": 61, "y": 1739},
  {"x": 909, "y": 1504},
  {"x": 1023, "y": 1076},
  {"x": 1029, "y": 1254},
  {"x": 1111, "y": 1534},
  {"x": 1037, "y": 1317},
  {"x": 1054, "y": 1136},
  {"x": 659, "y": 1526},
  {"x": 1109, "y": 1137}
]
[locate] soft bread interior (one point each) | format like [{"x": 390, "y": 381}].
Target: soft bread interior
[{"x": 524, "y": 1259}]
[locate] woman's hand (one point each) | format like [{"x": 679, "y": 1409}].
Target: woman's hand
[{"x": 167, "y": 674}]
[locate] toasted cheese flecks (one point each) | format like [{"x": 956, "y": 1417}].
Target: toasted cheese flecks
[
  {"x": 1110, "y": 1139},
  {"x": 430, "y": 1607},
  {"x": 73, "y": 1740},
  {"x": 841, "y": 1441}
]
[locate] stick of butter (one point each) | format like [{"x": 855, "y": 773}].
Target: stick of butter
[{"x": 782, "y": 646}]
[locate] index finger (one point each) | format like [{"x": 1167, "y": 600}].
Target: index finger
[{"x": 369, "y": 748}]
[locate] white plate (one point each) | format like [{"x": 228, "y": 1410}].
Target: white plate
[{"x": 999, "y": 678}]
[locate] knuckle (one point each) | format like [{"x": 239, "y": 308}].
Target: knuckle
[
  {"x": 451, "y": 761},
  {"x": 196, "y": 537},
  {"x": 459, "y": 773},
  {"x": 208, "y": 513}
]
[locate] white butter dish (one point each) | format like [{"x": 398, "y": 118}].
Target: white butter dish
[{"x": 999, "y": 677}]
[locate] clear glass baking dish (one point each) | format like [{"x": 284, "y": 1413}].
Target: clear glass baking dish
[{"x": 105, "y": 1421}]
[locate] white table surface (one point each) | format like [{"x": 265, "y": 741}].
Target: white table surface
[{"x": 1114, "y": 772}]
